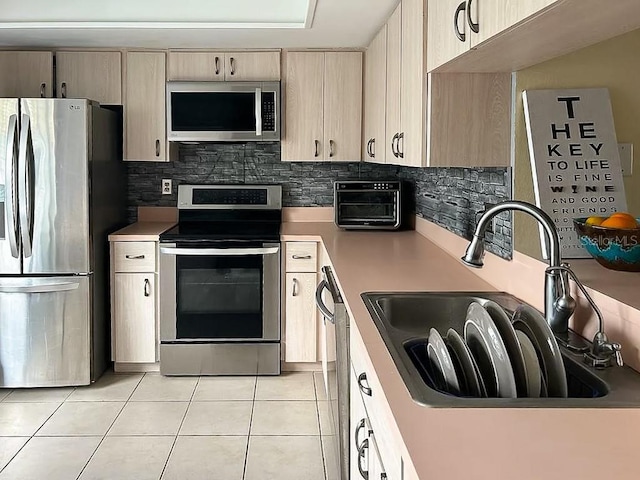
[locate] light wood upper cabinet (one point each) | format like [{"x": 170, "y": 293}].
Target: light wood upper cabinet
[
  {"x": 93, "y": 75},
  {"x": 411, "y": 143},
  {"x": 145, "y": 117},
  {"x": 394, "y": 81},
  {"x": 195, "y": 66},
  {"x": 227, "y": 66},
  {"x": 303, "y": 106},
  {"x": 322, "y": 105},
  {"x": 375, "y": 92},
  {"x": 469, "y": 117},
  {"x": 442, "y": 43},
  {"x": 342, "y": 105},
  {"x": 26, "y": 74},
  {"x": 495, "y": 16},
  {"x": 252, "y": 66}
]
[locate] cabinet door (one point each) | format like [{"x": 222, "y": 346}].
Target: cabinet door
[
  {"x": 93, "y": 75},
  {"x": 394, "y": 66},
  {"x": 134, "y": 317},
  {"x": 252, "y": 66},
  {"x": 145, "y": 117},
  {"x": 495, "y": 16},
  {"x": 26, "y": 74},
  {"x": 342, "y": 105},
  {"x": 195, "y": 66},
  {"x": 375, "y": 95},
  {"x": 301, "y": 318},
  {"x": 303, "y": 106},
  {"x": 412, "y": 98},
  {"x": 443, "y": 44}
]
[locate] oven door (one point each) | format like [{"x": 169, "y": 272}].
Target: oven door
[{"x": 219, "y": 294}]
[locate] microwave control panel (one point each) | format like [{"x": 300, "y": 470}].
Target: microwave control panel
[{"x": 268, "y": 111}]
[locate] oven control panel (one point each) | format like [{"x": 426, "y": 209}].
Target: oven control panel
[
  {"x": 238, "y": 196},
  {"x": 367, "y": 186},
  {"x": 230, "y": 197}
]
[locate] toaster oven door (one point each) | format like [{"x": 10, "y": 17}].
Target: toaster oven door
[{"x": 367, "y": 209}]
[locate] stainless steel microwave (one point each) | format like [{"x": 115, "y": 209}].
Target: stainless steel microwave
[{"x": 223, "y": 111}]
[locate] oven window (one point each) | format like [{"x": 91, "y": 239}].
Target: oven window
[
  {"x": 365, "y": 206},
  {"x": 219, "y": 297}
]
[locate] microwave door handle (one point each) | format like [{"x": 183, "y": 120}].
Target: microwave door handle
[{"x": 258, "y": 112}]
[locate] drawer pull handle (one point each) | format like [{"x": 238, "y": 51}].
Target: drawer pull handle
[
  {"x": 217, "y": 65},
  {"x": 134, "y": 257},
  {"x": 301, "y": 257},
  {"x": 157, "y": 148},
  {"x": 294, "y": 291},
  {"x": 43, "y": 90},
  {"x": 366, "y": 389},
  {"x": 147, "y": 287},
  {"x": 361, "y": 425},
  {"x": 316, "y": 153},
  {"x": 475, "y": 27},
  {"x": 365, "y": 446}
]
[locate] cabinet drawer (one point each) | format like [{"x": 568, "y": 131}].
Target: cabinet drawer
[
  {"x": 134, "y": 256},
  {"x": 301, "y": 257}
]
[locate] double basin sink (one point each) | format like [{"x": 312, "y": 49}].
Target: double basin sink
[{"x": 404, "y": 321}]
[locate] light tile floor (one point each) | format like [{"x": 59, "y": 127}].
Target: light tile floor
[{"x": 139, "y": 427}]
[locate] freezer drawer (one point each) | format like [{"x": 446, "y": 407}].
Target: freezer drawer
[{"x": 44, "y": 331}]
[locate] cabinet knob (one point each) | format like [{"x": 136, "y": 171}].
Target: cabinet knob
[
  {"x": 461, "y": 8},
  {"x": 317, "y": 146},
  {"x": 217, "y": 65},
  {"x": 157, "y": 148},
  {"x": 331, "y": 144},
  {"x": 232, "y": 63},
  {"x": 361, "y": 449},
  {"x": 294, "y": 291},
  {"x": 63, "y": 90},
  {"x": 147, "y": 287},
  {"x": 43, "y": 90},
  {"x": 301, "y": 257},
  {"x": 373, "y": 148},
  {"x": 401, "y": 152},
  {"x": 475, "y": 27}
]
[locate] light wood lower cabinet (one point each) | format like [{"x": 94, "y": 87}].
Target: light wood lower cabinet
[
  {"x": 134, "y": 304},
  {"x": 302, "y": 339},
  {"x": 134, "y": 317}
]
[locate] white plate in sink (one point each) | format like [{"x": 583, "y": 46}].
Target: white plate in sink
[{"x": 486, "y": 345}]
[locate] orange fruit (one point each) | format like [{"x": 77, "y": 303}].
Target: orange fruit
[
  {"x": 624, "y": 215},
  {"x": 620, "y": 221},
  {"x": 594, "y": 220}
]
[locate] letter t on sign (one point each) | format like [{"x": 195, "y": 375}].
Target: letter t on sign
[{"x": 569, "y": 101}]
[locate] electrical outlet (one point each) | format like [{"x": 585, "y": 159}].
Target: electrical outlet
[
  {"x": 166, "y": 186},
  {"x": 626, "y": 158}
]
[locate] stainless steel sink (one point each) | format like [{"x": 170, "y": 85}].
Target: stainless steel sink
[{"x": 404, "y": 321}]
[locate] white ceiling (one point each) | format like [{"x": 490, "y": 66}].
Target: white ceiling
[{"x": 192, "y": 23}]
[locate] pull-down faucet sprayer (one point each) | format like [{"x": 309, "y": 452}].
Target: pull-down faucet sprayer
[{"x": 558, "y": 303}]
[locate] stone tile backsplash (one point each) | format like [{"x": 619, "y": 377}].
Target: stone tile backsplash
[{"x": 450, "y": 197}]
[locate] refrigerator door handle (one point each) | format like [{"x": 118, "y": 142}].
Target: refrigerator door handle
[
  {"x": 44, "y": 288},
  {"x": 10, "y": 187},
  {"x": 25, "y": 187}
]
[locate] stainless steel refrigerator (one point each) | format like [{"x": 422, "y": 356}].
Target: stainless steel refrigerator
[{"x": 61, "y": 192}]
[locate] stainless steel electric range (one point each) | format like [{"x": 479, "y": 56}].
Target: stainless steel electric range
[{"x": 220, "y": 282}]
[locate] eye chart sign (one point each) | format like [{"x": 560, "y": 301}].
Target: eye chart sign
[{"x": 574, "y": 159}]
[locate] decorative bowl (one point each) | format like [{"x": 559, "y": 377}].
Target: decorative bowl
[{"x": 614, "y": 248}]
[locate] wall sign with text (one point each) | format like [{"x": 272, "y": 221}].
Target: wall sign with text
[{"x": 574, "y": 159}]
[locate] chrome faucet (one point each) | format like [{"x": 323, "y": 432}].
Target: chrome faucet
[{"x": 559, "y": 305}]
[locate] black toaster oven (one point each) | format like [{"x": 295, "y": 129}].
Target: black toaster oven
[{"x": 360, "y": 204}]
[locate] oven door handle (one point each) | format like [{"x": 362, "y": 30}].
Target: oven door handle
[{"x": 221, "y": 252}]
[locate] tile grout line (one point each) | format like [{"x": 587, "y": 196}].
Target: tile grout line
[
  {"x": 246, "y": 451},
  {"x": 110, "y": 426},
  {"x": 315, "y": 390}
]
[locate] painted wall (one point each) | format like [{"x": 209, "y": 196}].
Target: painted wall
[
  {"x": 614, "y": 64},
  {"x": 449, "y": 197}
]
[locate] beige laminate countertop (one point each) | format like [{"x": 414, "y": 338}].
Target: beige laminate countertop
[
  {"x": 469, "y": 443},
  {"x": 141, "y": 232}
]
